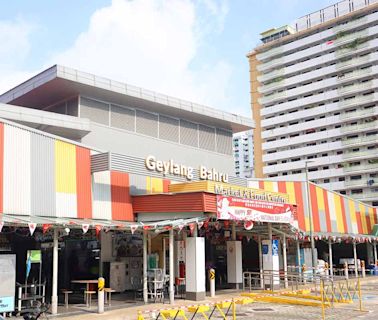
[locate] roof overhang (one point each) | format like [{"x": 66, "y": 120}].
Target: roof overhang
[
  {"x": 58, "y": 124},
  {"x": 58, "y": 82}
]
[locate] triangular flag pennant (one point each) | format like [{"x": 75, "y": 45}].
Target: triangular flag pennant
[
  {"x": 32, "y": 227},
  {"x": 46, "y": 227},
  {"x": 192, "y": 227},
  {"x": 85, "y": 227},
  {"x": 200, "y": 224},
  {"x": 98, "y": 229},
  {"x": 133, "y": 228},
  {"x": 217, "y": 225},
  {"x": 1, "y": 225},
  {"x": 180, "y": 227}
]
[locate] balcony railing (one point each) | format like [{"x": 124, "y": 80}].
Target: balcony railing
[
  {"x": 269, "y": 53},
  {"x": 355, "y": 74},
  {"x": 355, "y": 87},
  {"x": 361, "y": 167},
  {"x": 351, "y": 62},
  {"x": 358, "y": 127},
  {"x": 356, "y": 101},
  {"x": 351, "y": 24},
  {"x": 359, "y": 154},
  {"x": 358, "y": 113},
  {"x": 360, "y": 140},
  {"x": 351, "y": 183},
  {"x": 272, "y": 97},
  {"x": 271, "y": 75}
]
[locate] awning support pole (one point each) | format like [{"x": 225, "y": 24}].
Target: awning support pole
[
  {"x": 285, "y": 260},
  {"x": 375, "y": 252},
  {"x": 260, "y": 262},
  {"x": 171, "y": 269},
  {"x": 299, "y": 257},
  {"x": 330, "y": 258},
  {"x": 355, "y": 258},
  {"x": 145, "y": 293},
  {"x": 233, "y": 231},
  {"x": 54, "y": 297}
]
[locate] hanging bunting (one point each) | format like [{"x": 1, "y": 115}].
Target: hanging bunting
[
  {"x": 180, "y": 227},
  {"x": 191, "y": 228},
  {"x": 316, "y": 238},
  {"x": 98, "y": 230},
  {"x": 248, "y": 225},
  {"x": 200, "y": 224},
  {"x": 217, "y": 225},
  {"x": 32, "y": 227},
  {"x": 248, "y": 238},
  {"x": 1, "y": 225},
  {"x": 46, "y": 227},
  {"x": 133, "y": 228},
  {"x": 226, "y": 224},
  {"x": 85, "y": 227},
  {"x": 147, "y": 227},
  {"x": 167, "y": 227}
]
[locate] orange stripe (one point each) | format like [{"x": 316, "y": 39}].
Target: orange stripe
[
  {"x": 83, "y": 183},
  {"x": 341, "y": 199},
  {"x": 375, "y": 216},
  {"x": 327, "y": 214},
  {"x": 314, "y": 208},
  {"x": 300, "y": 205},
  {"x": 122, "y": 208},
  {"x": 1, "y": 165},
  {"x": 261, "y": 185},
  {"x": 282, "y": 186},
  {"x": 359, "y": 221},
  {"x": 166, "y": 184},
  {"x": 368, "y": 223}
]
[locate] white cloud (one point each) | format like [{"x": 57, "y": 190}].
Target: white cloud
[
  {"x": 16, "y": 46},
  {"x": 152, "y": 44}
]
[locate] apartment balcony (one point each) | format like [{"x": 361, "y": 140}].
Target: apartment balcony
[
  {"x": 367, "y": 167},
  {"x": 271, "y": 75},
  {"x": 359, "y": 114},
  {"x": 355, "y": 87},
  {"x": 357, "y": 101},
  {"x": 360, "y": 127},
  {"x": 350, "y": 37},
  {"x": 355, "y": 61},
  {"x": 269, "y": 53},
  {"x": 356, "y": 183},
  {"x": 343, "y": 52},
  {"x": 360, "y": 140},
  {"x": 335, "y": 185},
  {"x": 272, "y": 97},
  {"x": 366, "y": 196},
  {"x": 360, "y": 154},
  {"x": 356, "y": 23}
]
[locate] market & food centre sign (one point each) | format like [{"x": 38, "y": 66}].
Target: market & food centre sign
[{"x": 172, "y": 168}]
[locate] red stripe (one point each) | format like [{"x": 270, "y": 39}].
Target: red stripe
[
  {"x": 368, "y": 223},
  {"x": 121, "y": 201},
  {"x": 261, "y": 185},
  {"x": 83, "y": 183},
  {"x": 359, "y": 221},
  {"x": 1, "y": 165},
  {"x": 375, "y": 215},
  {"x": 314, "y": 208},
  {"x": 300, "y": 205},
  {"x": 282, "y": 186},
  {"x": 327, "y": 213},
  {"x": 341, "y": 199},
  {"x": 166, "y": 184}
]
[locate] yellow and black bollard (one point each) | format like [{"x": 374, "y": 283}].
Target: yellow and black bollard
[{"x": 212, "y": 282}]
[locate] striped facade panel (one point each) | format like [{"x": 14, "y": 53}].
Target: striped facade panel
[
  {"x": 299, "y": 200},
  {"x": 1, "y": 166},
  {"x": 137, "y": 184},
  {"x": 314, "y": 208},
  {"x": 65, "y": 179},
  {"x": 363, "y": 218},
  {"x": 122, "y": 208},
  {"x": 339, "y": 215},
  {"x": 348, "y": 215},
  {"x": 353, "y": 218},
  {"x": 42, "y": 159},
  {"x": 16, "y": 192},
  {"x": 321, "y": 209},
  {"x": 83, "y": 183},
  {"x": 102, "y": 205},
  {"x": 332, "y": 211}
]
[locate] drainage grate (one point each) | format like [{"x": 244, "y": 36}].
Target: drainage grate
[{"x": 262, "y": 309}]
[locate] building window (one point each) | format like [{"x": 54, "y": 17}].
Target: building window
[
  {"x": 326, "y": 181},
  {"x": 342, "y": 179},
  {"x": 358, "y": 177},
  {"x": 356, "y": 191}
]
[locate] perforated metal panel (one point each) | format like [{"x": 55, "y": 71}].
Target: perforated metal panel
[
  {"x": 94, "y": 110},
  {"x": 206, "y": 137},
  {"x": 224, "y": 141},
  {"x": 169, "y": 128},
  {"x": 188, "y": 133},
  {"x": 123, "y": 118},
  {"x": 147, "y": 123}
]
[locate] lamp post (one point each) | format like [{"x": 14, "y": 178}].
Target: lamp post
[{"x": 310, "y": 218}]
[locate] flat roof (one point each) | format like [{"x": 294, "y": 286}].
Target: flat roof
[{"x": 60, "y": 82}]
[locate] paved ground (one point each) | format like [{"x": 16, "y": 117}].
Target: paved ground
[{"x": 262, "y": 311}]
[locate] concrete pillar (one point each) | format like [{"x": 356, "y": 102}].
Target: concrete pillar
[
  {"x": 271, "y": 259},
  {"x": 233, "y": 231},
  {"x": 260, "y": 262},
  {"x": 195, "y": 269},
  {"x": 234, "y": 263},
  {"x": 330, "y": 258},
  {"x": 375, "y": 252},
  {"x": 355, "y": 258},
  {"x": 164, "y": 256},
  {"x": 284, "y": 260},
  {"x": 145, "y": 295},
  {"x": 54, "y": 296},
  {"x": 299, "y": 257},
  {"x": 171, "y": 269}
]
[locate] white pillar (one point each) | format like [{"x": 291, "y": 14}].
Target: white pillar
[
  {"x": 260, "y": 262},
  {"x": 149, "y": 244},
  {"x": 375, "y": 252},
  {"x": 355, "y": 258},
  {"x": 299, "y": 257},
  {"x": 195, "y": 231},
  {"x": 171, "y": 269},
  {"x": 285, "y": 260},
  {"x": 54, "y": 297},
  {"x": 235, "y": 262},
  {"x": 145, "y": 295},
  {"x": 164, "y": 257},
  {"x": 330, "y": 258}
]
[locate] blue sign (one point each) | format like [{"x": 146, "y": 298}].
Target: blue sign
[
  {"x": 275, "y": 247},
  {"x": 265, "y": 249},
  {"x": 6, "y": 304}
]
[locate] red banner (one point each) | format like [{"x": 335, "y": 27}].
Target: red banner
[{"x": 231, "y": 208}]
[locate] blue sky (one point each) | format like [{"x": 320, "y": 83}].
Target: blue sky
[{"x": 195, "y": 50}]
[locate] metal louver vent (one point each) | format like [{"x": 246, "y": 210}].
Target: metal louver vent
[
  {"x": 169, "y": 128},
  {"x": 206, "y": 137},
  {"x": 224, "y": 141},
  {"x": 147, "y": 123},
  {"x": 122, "y": 118},
  {"x": 94, "y": 110},
  {"x": 188, "y": 133}
]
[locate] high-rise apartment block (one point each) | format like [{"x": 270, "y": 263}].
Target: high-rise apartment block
[
  {"x": 314, "y": 89},
  {"x": 243, "y": 154}
]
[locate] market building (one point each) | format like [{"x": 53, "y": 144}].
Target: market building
[{"x": 100, "y": 178}]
